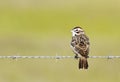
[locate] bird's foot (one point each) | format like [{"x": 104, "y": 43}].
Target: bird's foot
[{"x": 76, "y": 57}]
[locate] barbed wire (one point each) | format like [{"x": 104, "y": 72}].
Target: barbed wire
[{"x": 53, "y": 57}]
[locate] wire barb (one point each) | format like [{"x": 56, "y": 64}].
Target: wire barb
[{"x": 53, "y": 57}]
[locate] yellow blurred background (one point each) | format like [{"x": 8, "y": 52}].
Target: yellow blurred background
[{"x": 42, "y": 27}]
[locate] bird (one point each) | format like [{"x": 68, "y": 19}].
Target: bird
[{"x": 80, "y": 45}]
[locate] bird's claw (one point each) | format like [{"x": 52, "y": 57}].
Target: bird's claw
[{"x": 76, "y": 57}]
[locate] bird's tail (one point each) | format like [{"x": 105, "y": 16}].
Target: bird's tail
[{"x": 83, "y": 63}]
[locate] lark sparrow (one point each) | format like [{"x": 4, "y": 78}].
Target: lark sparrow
[{"x": 80, "y": 46}]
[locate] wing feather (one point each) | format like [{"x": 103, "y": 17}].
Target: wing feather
[{"x": 80, "y": 44}]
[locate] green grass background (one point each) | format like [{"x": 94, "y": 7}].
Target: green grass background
[{"x": 42, "y": 27}]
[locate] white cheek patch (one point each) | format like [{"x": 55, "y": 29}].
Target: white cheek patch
[{"x": 73, "y": 33}]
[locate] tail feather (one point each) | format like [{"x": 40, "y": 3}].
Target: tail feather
[
  {"x": 83, "y": 63},
  {"x": 80, "y": 63}
]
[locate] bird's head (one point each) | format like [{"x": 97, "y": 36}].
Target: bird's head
[{"x": 77, "y": 31}]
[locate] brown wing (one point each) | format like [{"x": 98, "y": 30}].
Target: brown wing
[
  {"x": 83, "y": 45},
  {"x": 74, "y": 41}
]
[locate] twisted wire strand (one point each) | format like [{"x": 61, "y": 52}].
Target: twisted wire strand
[{"x": 53, "y": 57}]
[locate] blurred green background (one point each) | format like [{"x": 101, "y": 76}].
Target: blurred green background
[{"x": 42, "y": 27}]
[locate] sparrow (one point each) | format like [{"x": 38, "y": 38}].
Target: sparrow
[{"x": 80, "y": 46}]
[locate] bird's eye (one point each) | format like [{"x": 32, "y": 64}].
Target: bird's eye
[{"x": 76, "y": 30}]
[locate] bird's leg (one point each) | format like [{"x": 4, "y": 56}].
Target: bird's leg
[{"x": 76, "y": 56}]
